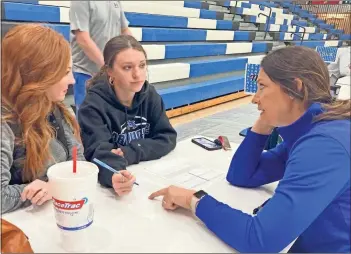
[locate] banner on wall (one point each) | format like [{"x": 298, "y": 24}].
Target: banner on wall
[
  {"x": 328, "y": 54},
  {"x": 251, "y": 75}
]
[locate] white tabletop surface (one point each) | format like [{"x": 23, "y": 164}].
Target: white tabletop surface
[
  {"x": 344, "y": 81},
  {"x": 134, "y": 223}
]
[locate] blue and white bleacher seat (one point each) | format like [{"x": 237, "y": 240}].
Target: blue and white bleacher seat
[{"x": 196, "y": 50}]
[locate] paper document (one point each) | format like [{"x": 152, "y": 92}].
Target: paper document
[{"x": 182, "y": 172}]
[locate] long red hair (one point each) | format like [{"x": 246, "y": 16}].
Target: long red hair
[{"x": 34, "y": 57}]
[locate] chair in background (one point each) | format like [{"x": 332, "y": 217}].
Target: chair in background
[{"x": 273, "y": 140}]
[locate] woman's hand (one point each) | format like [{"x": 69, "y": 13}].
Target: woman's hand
[
  {"x": 262, "y": 127},
  {"x": 174, "y": 197},
  {"x": 118, "y": 152},
  {"x": 123, "y": 182},
  {"x": 37, "y": 192}
]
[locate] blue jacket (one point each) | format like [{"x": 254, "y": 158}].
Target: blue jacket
[{"x": 312, "y": 200}]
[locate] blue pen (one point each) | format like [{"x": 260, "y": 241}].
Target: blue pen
[{"x": 102, "y": 164}]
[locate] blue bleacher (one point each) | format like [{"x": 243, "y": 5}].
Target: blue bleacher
[
  {"x": 52, "y": 14},
  {"x": 185, "y": 95},
  {"x": 314, "y": 44},
  {"x": 197, "y": 50},
  {"x": 330, "y": 28}
]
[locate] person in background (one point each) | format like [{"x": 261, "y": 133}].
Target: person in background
[
  {"x": 37, "y": 130},
  {"x": 123, "y": 119},
  {"x": 342, "y": 65},
  {"x": 312, "y": 200},
  {"x": 92, "y": 23}
]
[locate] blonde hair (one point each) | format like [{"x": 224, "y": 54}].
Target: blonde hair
[{"x": 34, "y": 57}]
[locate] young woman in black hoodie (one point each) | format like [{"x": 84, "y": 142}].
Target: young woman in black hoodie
[{"x": 122, "y": 118}]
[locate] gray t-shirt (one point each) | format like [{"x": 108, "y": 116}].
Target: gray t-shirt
[{"x": 103, "y": 20}]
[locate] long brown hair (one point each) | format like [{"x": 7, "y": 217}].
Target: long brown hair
[
  {"x": 284, "y": 66},
  {"x": 34, "y": 57},
  {"x": 112, "y": 48}
]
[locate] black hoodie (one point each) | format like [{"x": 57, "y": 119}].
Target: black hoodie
[{"x": 143, "y": 131}]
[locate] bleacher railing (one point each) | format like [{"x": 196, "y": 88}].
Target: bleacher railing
[{"x": 333, "y": 12}]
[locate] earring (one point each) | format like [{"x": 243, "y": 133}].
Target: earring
[
  {"x": 291, "y": 97},
  {"x": 110, "y": 79}
]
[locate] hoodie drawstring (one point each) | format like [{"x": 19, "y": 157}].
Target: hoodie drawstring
[
  {"x": 141, "y": 123},
  {"x": 126, "y": 116},
  {"x": 142, "y": 119}
]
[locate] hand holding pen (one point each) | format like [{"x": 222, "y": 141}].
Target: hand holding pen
[
  {"x": 123, "y": 183},
  {"x": 122, "y": 180}
]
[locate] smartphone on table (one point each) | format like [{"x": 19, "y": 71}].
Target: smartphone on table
[{"x": 206, "y": 144}]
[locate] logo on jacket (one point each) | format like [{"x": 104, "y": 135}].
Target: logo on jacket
[
  {"x": 131, "y": 124},
  {"x": 131, "y": 130}
]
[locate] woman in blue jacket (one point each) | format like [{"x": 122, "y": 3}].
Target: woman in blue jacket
[{"x": 312, "y": 200}]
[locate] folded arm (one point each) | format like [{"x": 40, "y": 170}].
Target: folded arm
[
  {"x": 252, "y": 167},
  {"x": 305, "y": 187},
  {"x": 98, "y": 144},
  {"x": 161, "y": 140}
]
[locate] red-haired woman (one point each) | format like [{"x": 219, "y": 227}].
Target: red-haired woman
[{"x": 36, "y": 128}]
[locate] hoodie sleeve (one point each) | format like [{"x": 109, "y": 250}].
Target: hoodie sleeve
[
  {"x": 97, "y": 142},
  {"x": 161, "y": 140},
  {"x": 262, "y": 167}
]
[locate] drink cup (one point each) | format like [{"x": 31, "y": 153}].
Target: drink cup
[{"x": 73, "y": 197}]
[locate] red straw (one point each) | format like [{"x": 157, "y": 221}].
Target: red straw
[{"x": 74, "y": 156}]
